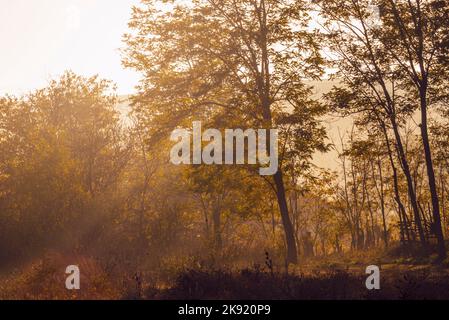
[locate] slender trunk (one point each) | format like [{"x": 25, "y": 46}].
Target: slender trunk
[
  {"x": 292, "y": 255},
  {"x": 443, "y": 206},
  {"x": 295, "y": 212},
  {"x": 380, "y": 192},
  {"x": 411, "y": 190},
  {"x": 382, "y": 203},
  {"x": 206, "y": 218},
  {"x": 431, "y": 175},
  {"x": 397, "y": 196},
  {"x": 423, "y": 213},
  {"x": 218, "y": 243},
  {"x": 401, "y": 228},
  {"x": 370, "y": 233},
  {"x": 273, "y": 220}
]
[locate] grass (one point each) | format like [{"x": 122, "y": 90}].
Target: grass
[{"x": 336, "y": 277}]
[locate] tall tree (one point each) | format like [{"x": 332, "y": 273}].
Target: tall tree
[
  {"x": 370, "y": 78},
  {"x": 219, "y": 59},
  {"x": 415, "y": 37}
]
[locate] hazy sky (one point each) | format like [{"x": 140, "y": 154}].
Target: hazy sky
[{"x": 39, "y": 39}]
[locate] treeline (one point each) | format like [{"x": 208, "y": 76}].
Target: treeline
[
  {"x": 390, "y": 60},
  {"x": 78, "y": 179},
  {"x": 75, "y": 177}
]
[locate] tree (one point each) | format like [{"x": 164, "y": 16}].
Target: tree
[
  {"x": 415, "y": 37},
  {"x": 63, "y": 151},
  {"x": 222, "y": 59},
  {"x": 370, "y": 81}
]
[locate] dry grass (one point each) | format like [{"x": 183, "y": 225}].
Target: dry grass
[{"x": 44, "y": 279}]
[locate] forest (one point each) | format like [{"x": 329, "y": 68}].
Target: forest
[{"x": 358, "y": 93}]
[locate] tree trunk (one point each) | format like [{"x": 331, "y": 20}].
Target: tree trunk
[
  {"x": 218, "y": 243},
  {"x": 382, "y": 203},
  {"x": 292, "y": 255},
  {"x": 443, "y": 207},
  {"x": 401, "y": 209},
  {"x": 411, "y": 190},
  {"x": 263, "y": 84},
  {"x": 431, "y": 175}
]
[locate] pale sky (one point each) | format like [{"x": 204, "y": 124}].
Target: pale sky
[{"x": 39, "y": 39}]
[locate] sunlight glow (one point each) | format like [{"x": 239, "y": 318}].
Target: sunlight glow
[{"x": 41, "y": 39}]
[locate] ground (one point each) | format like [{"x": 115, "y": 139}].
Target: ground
[{"x": 333, "y": 277}]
